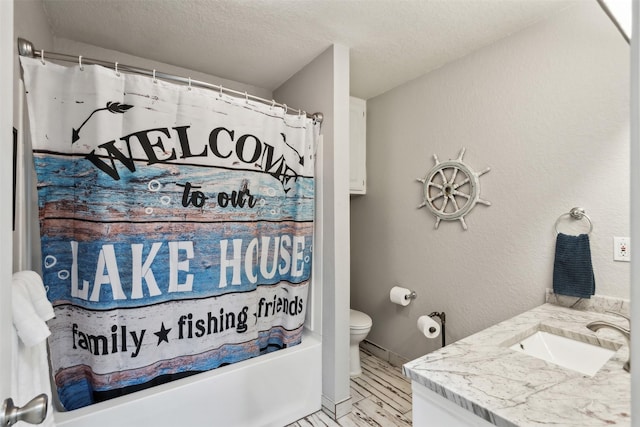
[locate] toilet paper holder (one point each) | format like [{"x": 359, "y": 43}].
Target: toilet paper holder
[
  {"x": 401, "y": 296},
  {"x": 411, "y": 295},
  {"x": 443, "y": 319}
]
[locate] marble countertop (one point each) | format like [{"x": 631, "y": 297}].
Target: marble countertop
[{"x": 507, "y": 388}]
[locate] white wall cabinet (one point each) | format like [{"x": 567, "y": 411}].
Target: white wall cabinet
[{"x": 357, "y": 146}]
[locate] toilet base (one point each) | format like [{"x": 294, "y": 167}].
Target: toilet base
[{"x": 354, "y": 361}]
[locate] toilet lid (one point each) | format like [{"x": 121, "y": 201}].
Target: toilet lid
[{"x": 358, "y": 319}]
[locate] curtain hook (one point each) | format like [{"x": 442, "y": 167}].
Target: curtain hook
[
  {"x": 154, "y": 76},
  {"x": 189, "y": 83},
  {"x": 220, "y": 94},
  {"x": 285, "y": 108},
  {"x": 246, "y": 98},
  {"x": 116, "y": 68},
  {"x": 273, "y": 103},
  {"x": 80, "y": 63},
  {"x": 299, "y": 113},
  {"x": 42, "y": 57}
]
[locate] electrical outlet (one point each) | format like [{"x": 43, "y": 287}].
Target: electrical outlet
[{"x": 622, "y": 249}]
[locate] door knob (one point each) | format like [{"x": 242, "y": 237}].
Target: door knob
[{"x": 33, "y": 412}]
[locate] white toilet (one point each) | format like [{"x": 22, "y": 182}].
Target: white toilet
[{"x": 359, "y": 327}]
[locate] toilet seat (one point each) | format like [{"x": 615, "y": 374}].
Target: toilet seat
[{"x": 359, "y": 320}]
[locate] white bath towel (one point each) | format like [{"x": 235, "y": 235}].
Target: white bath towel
[
  {"x": 30, "y": 369},
  {"x": 33, "y": 282}
]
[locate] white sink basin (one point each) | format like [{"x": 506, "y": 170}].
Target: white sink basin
[{"x": 566, "y": 352}]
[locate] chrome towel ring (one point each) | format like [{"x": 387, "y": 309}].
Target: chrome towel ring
[{"x": 578, "y": 214}]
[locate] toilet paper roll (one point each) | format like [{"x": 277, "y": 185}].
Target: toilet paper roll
[
  {"x": 397, "y": 295},
  {"x": 429, "y": 327}
]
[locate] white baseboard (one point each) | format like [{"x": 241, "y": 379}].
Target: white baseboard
[
  {"x": 336, "y": 410},
  {"x": 380, "y": 352}
]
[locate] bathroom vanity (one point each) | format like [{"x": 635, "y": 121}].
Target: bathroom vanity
[{"x": 495, "y": 377}]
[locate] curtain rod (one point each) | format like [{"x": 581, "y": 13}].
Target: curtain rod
[{"x": 25, "y": 48}]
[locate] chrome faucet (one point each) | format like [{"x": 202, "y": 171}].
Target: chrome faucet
[{"x": 626, "y": 333}]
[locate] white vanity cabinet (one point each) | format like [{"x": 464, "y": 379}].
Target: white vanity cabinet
[
  {"x": 429, "y": 408},
  {"x": 357, "y": 146},
  {"x": 481, "y": 381}
]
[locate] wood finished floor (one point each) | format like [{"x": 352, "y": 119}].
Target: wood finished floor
[{"x": 381, "y": 396}]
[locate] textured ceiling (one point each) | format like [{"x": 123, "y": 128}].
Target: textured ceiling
[{"x": 264, "y": 42}]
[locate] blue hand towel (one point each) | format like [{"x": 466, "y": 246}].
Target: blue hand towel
[{"x": 572, "y": 268}]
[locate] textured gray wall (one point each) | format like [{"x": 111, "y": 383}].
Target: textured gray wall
[{"x": 548, "y": 110}]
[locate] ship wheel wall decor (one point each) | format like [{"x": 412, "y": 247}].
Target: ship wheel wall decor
[{"x": 451, "y": 190}]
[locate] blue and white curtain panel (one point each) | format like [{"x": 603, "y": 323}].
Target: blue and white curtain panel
[{"x": 176, "y": 227}]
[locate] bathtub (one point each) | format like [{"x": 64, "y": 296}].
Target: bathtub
[{"x": 271, "y": 390}]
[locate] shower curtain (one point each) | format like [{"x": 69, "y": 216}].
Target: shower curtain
[{"x": 176, "y": 226}]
